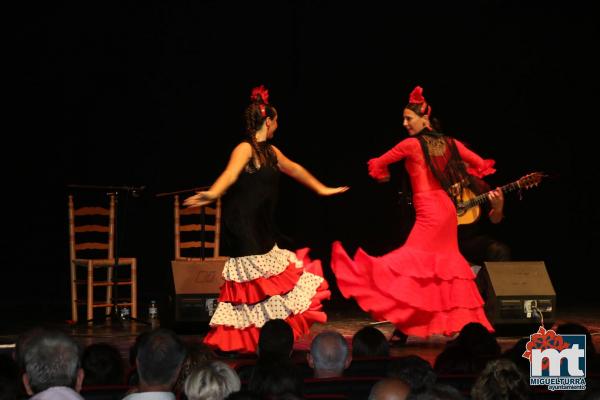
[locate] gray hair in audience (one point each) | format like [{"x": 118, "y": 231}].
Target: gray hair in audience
[
  {"x": 51, "y": 359},
  {"x": 212, "y": 381},
  {"x": 329, "y": 351}
]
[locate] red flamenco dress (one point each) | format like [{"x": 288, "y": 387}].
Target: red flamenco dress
[
  {"x": 262, "y": 281},
  {"x": 426, "y": 286}
]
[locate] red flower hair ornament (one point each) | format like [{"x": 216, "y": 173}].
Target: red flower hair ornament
[
  {"x": 416, "y": 97},
  {"x": 260, "y": 95}
]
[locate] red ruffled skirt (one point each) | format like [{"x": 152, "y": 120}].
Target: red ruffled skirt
[
  {"x": 257, "y": 288},
  {"x": 426, "y": 286}
]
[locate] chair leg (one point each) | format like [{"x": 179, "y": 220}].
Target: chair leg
[
  {"x": 109, "y": 290},
  {"x": 73, "y": 291},
  {"x": 90, "y": 291},
  {"x": 134, "y": 288}
]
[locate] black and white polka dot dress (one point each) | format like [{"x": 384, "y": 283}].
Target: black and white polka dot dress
[{"x": 262, "y": 281}]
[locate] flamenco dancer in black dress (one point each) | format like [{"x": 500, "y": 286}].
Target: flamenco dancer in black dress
[{"x": 262, "y": 281}]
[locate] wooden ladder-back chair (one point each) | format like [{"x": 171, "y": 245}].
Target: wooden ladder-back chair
[
  {"x": 197, "y": 231},
  {"x": 197, "y": 265},
  {"x": 92, "y": 233}
]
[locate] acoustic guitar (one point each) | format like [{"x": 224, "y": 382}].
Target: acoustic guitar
[{"x": 469, "y": 210}]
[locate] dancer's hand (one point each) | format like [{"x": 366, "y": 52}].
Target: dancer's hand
[
  {"x": 328, "y": 191},
  {"x": 200, "y": 199}
]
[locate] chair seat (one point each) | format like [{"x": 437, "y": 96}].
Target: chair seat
[
  {"x": 96, "y": 304},
  {"x": 103, "y": 262},
  {"x": 220, "y": 258},
  {"x": 115, "y": 282}
]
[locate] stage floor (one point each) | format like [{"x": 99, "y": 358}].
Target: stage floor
[{"x": 346, "y": 319}]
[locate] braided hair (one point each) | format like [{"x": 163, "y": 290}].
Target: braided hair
[{"x": 255, "y": 115}]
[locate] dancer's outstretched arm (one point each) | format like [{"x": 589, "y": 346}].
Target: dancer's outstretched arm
[
  {"x": 238, "y": 160},
  {"x": 299, "y": 173}
]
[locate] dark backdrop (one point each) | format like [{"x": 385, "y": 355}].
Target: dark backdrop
[{"x": 152, "y": 93}]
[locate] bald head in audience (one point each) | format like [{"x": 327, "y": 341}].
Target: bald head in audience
[
  {"x": 390, "y": 389},
  {"x": 329, "y": 355}
]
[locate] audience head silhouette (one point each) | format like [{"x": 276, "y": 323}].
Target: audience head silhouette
[
  {"x": 159, "y": 357},
  {"x": 469, "y": 352},
  {"x": 389, "y": 389},
  {"x": 102, "y": 365},
  {"x": 370, "y": 342},
  {"x": 329, "y": 355},
  {"x": 276, "y": 339},
  {"x": 500, "y": 379},
  {"x": 214, "y": 380},
  {"x": 51, "y": 360},
  {"x": 272, "y": 378},
  {"x": 413, "y": 370}
]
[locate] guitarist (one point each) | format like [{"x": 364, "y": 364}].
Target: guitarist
[
  {"x": 475, "y": 244},
  {"x": 474, "y": 241}
]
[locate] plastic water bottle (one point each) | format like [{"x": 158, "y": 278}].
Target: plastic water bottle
[
  {"x": 153, "y": 310},
  {"x": 124, "y": 313}
]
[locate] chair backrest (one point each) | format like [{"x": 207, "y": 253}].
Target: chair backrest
[
  {"x": 197, "y": 231},
  {"x": 91, "y": 230}
]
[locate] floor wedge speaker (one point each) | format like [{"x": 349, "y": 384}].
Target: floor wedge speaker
[
  {"x": 517, "y": 292},
  {"x": 197, "y": 286}
]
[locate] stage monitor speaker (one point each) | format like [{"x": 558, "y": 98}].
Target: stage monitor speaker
[
  {"x": 197, "y": 286},
  {"x": 518, "y": 292}
]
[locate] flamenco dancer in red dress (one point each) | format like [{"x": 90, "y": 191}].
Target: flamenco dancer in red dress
[
  {"x": 426, "y": 286},
  {"x": 262, "y": 281}
]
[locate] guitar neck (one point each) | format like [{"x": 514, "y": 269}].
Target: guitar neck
[{"x": 482, "y": 198}]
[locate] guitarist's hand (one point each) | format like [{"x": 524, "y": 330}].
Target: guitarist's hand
[{"x": 496, "y": 198}]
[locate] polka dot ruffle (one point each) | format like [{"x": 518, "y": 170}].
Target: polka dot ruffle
[
  {"x": 294, "y": 302},
  {"x": 244, "y": 269}
]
